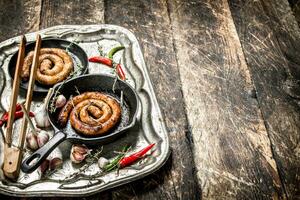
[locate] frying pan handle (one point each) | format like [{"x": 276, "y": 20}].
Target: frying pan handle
[{"x": 42, "y": 153}]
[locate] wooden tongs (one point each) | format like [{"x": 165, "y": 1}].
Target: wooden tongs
[{"x": 13, "y": 155}]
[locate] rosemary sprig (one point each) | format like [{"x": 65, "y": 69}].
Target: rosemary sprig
[
  {"x": 121, "y": 98},
  {"x": 76, "y": 90},
  {"x": 100, "y": 49},
  {"x": 116, "y": 75},
  {"x": 115, "y": 162},
  {"x": 69, "y": 46},
  {"x": 52, "y": 108}
]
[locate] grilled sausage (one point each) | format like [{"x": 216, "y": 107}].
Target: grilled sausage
[
  {"x": 91, "y": 113},
  {"x": 55, "y": 65}
]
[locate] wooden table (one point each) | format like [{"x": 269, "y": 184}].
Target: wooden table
[{"x": 227, "y": 77}]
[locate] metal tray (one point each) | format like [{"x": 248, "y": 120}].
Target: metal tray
[{"x": 149, "y": 128}]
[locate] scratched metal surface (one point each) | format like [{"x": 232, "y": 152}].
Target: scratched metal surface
[{"x": 150, "y": 126}]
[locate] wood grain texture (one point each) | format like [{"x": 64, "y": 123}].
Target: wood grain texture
[
  {"x": 270, "y": 38},
  {"x": 149, "y": 21},
  {"x": 18, "y": 17},
  {"x": 232, "y": 149},
  {"x": 57, "y": 12},
  {"x": 234, "y": 108}
]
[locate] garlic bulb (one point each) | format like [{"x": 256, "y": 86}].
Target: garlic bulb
[
  {"x": 78, "y": 153},
  {"x": 31, "y": 141},
  {"x": 102, "y": 162},
  {"x": 42, "y": 138},
  {"x": 60, "y": 101},
  {"x": 41, "y": 118}
]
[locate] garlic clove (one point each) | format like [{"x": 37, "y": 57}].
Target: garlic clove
[
  {"x": 44, "y": 166},
  {"x": 42, "y": 138},
  {"x": 80, "y": 148},
  {"x": 56, "y": 159},
  {"x": 31, "y": 141},
  {"x": 78, "y": 153},
  {"x": 41, "y": 118},
  {"x": 77, "y": 158},
  {"x": 60, "y": 101},
  {"x": 102, "y": 162},
  {"x": 56, "y": 163}
]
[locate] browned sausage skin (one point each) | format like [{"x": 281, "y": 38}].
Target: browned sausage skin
[
  {"x": 55, "y": 65},
  {"x": 91, "y": 113}
]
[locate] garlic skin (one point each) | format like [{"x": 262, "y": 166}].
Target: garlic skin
[
  {"x": 41, "y": 118},
  {"x": 31, "y": 141},
  {"x": 55, "y": 158},
  {"x": 78, "y": 153},
  {"x": 60, "y": 101},
  {"x": 42, "y": 138},
  {"x": 44, "y": 166},
  {"x": 102, "y": 162},
  {"x": 55, "y": 163}
]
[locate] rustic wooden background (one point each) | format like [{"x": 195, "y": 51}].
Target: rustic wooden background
[{"x": 227, "y": 77}]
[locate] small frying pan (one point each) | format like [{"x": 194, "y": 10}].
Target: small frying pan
[
  {"x": 91, "y": 82},
  {"x": 77, "y": 53}
]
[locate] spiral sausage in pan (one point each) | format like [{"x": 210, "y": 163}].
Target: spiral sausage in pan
[
  {"x": 92, "y": 113},
  {"x": 55, "y": 65}
]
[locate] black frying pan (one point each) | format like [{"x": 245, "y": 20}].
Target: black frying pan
[
  {"x": 77, "y": 53},
  {"x": 90, "y": 82}
]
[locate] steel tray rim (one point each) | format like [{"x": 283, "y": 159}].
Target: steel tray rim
[{"x": 154, "y": 167}]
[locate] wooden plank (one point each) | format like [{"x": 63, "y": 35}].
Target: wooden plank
[
  {"x": 18, "y": 17},
  {"x": 56, "y": 12},
  {"x": 270, "y": 38},
  {"x": 232, "y": 149},
  {"x": 149, "y": 21}
]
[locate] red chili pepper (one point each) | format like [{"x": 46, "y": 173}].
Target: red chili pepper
[
  {"x": 121, "y": 72},
  {"x": 128, "y": 160},
  {"x": 3, "y": 119},
  {"x": 102, "y": 60},
  {"x": 109, "y": 62},
  {"x": 18, "y": 107},
  {"x": 18, "y": 115}
]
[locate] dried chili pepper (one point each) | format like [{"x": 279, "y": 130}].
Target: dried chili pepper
[
  {"x": 18, "y": 107},
  {"x": 4, "y": 117},
  {"x": 120, "y": 72},
  {"x": 18, "y": 115},
  {"x": 109, "y": 62},
  {"x": 128, "y": 160},
  {"x": 102, "y": 60},
  {"x": 122, "y": 161},
  {"x": 114, "y": 50}
]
